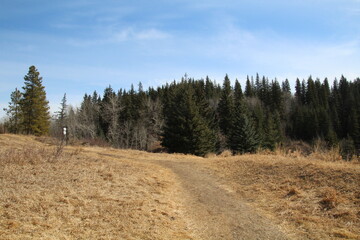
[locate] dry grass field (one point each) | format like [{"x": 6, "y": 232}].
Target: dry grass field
[
  {"x": 103, "y": 193},
  {"x": 83, "y": 196},
  {"x": 310, "y": 198}
]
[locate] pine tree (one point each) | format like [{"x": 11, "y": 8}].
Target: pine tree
[
  {"x": 258, "y": 84},
  {"x": 325, "y": 94},
  {"x": 298, "y": 91},
  {"x": 107, "y": 104},
  {"x": 61, "y": 114},
  {"x": 264, "y": 93},
  {"x": 244, "y": 138},
  {"x": 249, "y": 90},
  {"x": 272, "y": 134},
  {"x": 186, "y": 131},
  {"x": 14, "y": 111},
  {"x": 34, "y": 106},
  {"x": 276, "y": 103},
  {"x": 311, "y": 93},
  {"x": 226, "y": 107},
  {"x": 285, "y": 87},
  {"x": 238, "y": 94}
]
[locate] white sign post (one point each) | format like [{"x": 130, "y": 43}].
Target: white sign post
[{"x": 65, "y": 134}]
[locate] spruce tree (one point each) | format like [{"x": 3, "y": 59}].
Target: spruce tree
[
  {"x": 61, "y": 114},
  {"x": 285, "y": 87},
  {"x": 34, "y": 106},
  {"x": 14, "y": 111},
  {"x": 226, "y": 108},
  {"x": 238, "y": 94},
  {"x": 186, "y": 130},
  {"x": 298, "y": 91},
  {"x": 276, "y": 103},
  {"x": 244, "y": 138},
  {"x": 272, "y": 135},
  {"x": 249, "y": 90}
]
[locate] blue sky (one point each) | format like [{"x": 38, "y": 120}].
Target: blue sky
[{"x": 80, "y": 46}]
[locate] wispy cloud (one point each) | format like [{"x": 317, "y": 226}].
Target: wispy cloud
[
  {"x": 125, "y": 35},
  {"x": 132, "y": 34}
]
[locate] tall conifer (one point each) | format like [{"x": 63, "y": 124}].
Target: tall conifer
[
  {"x": 244, "y": 138},
  {"x": 34, "y": 106},
  {"x": 226, "y": 107}
]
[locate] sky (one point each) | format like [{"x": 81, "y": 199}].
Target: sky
[{"x": 80, "y": 46}]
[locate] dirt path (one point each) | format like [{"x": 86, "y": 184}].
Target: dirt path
[{"x": 214, "y": 210}]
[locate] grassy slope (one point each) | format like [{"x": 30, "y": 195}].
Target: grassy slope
[
  {"x": 310, "y": 198},
  {"x": 83, "y": 196},
  {"x": 112, "y": 194}
]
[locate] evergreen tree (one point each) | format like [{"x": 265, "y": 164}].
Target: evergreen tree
[
  {"x": 325, "y": 94},
  {"x": 272, "y": 133},
  {"x": 249, "y": 90},
  {"x": 264, "y": 93},
  {"x": 34, "y": 106},
  {"x": 14, "y": 111},
  {"x": 303, "y": 92},
  {"x": 238, "y": 94},
  {"x": 285, "y": 86},
  {"x": 244, "y": 138},
  {"x": 209, "y": 88},
  {"x": 107, "y": 104},
  {"x": 259, "y": 120},
  {"x": 276, "y": 103},
  {"x": 311, "y": 93},
  {"x": 61, "y": 114},
  {"x": 185, "y": 129},
  {"x": 226, "y": 108},
  {"x": 258, "y": 84},
  {"x": 298, "y": 91}
]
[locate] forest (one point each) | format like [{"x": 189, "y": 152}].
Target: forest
[{"x": 201, "y": 116}]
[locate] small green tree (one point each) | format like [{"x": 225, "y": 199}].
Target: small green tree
[
  {"x": 35, "y": 116},
  {"x": 13, "y": 111},
  {"x": 61, "y": 115},
  {"x": 272, "y": 134}
]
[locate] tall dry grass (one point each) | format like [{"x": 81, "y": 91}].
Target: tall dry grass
[
  {"x": 311, "y": 197},
  {"x": 81, "y": 194}
]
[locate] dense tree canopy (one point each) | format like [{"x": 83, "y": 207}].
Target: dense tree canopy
[{"x": 201, "y": 116}]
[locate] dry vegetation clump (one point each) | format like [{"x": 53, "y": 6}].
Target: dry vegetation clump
[
  {"x": 311, "y": 198},
  {"x": 226, "y": 153},
  {"x": 83, "y": 195}
]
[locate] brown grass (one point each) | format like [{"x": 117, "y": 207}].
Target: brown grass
[
  {"x": 310, "y": 198},
  {"x": 83, "y": 196},
  {"x": 103, "y": 193}
]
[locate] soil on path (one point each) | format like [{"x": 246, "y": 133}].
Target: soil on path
[{"x": 214, "y": 210}]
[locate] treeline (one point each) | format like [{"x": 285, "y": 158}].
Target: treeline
[
  {"x": 200, "y": 116},
  {"x": 125, "y": 119}
]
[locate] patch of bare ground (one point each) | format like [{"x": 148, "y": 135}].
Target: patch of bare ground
[
  {"x": 310, "y": 198},
  {"x": 81, "y": 195}
]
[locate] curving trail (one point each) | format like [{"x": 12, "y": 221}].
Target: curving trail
[{"x": 214, "y": 210}]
